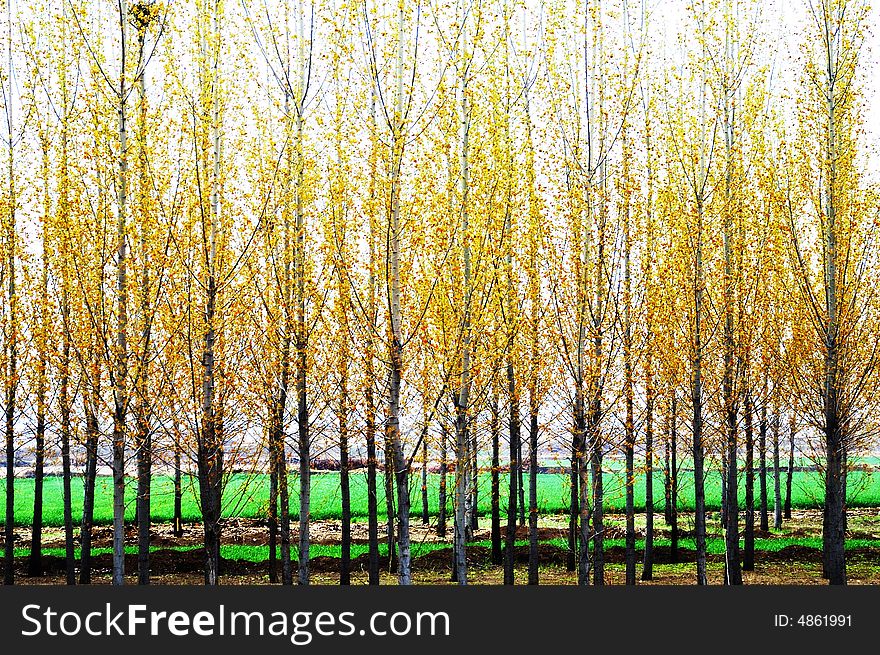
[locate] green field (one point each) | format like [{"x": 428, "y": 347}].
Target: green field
[
  {"x": 714, "y": 546},
  {"x": 246, "y": 495}
]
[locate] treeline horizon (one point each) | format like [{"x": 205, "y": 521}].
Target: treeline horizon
[{"x": 239, "y": 233}]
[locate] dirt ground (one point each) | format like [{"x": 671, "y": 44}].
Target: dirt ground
[
  {"x": 791, "y": 565},
  {"x": 175, "y": 568}
]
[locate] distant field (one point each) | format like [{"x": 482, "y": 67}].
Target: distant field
[{"x": 246, "y": 495}]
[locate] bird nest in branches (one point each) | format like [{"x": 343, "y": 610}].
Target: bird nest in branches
[{"x": 143, "y": 14}]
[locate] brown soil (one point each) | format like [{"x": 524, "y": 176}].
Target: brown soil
[
  {"x": 770, "y": 571},
  {"x": 253, "y": 532},
  {"x": 864, "y": 523},
  {"x": 790, "y": 565}
]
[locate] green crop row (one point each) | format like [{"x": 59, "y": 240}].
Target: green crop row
[
  {"x": 247, "y": 495},
  {"x": 261, "y": 553}
]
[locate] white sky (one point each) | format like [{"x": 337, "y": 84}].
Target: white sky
[{"x": 784, "y": 25}]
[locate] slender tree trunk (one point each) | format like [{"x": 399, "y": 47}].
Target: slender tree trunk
[
  {"x": 305, "y": 480},
  {"x": 762, "y": 471},
  {"x": 9, "y": 534},
  {"x": 598, "y": 504},
  {"x": 730, "y": 499},
  {"x": 35, "y": 562},
  {"x": 630, "y": 554},
  {"x": 441, "y": 500},
  {"x": 629, "y": 438},
  {"x": 119, "y": 492},
  {"x": 209, "y": 441},
  {"x": 748, "y": 563},
  {"x": 697, "y": 403},
  {"x": 11, "y": 335},
  {"x": 453, "y": 577},
  {"x": 825, "y": 532},
  {"x": 372, "y": 499},
  {"x": 371, "y": 377},
  {"x": 673, "y": 487},
  {"x": 722, "y": 485},
  {"x": 272, "y": 518},
  {"x": 210, "y": 432},
  {"x": 596, "y": 442},
  {"x": 144, "y": 434},
  {"x": 211, "y": 525},
  {"x": 732, "y": 565},
  {"x": 788, "y": 480},
  {"x": 777, "y": 482},
  {"x": 144, "y": 466},
  {"x": 64, "y": 399},
  {"x": 399, "y": 466},
  {"x": 699, "y": 506},
  {"x": 404, "y": 573},
  {"x": 520, "y": 485},
  {"x": 667, "y": 484},
  {"x": 388, "y": 476},
  {"x": 343, "y": 310},
  {"x": 120, "y": 390},
  {"x": 843, "y": 486},
  {"x": 302, "y": 345},
  {"x": 533, "y": 490},
  {"x": 495, "y": 430},
  {"x": 534, "y": 335},
  {"x": 573, "y": 509},
  {"x": 648, "y": 562},
  {"x": 178, "y": 493},
  {"x": 834, "y": 529},
  {"x": 426, "y": 519},
  {"x": 475, "y": 486},
  {"x": 69, "y": 552},
  {"x": 345, "y": 491},
  {"x": 344, "y": 483},
  {"x": 469, "y": 497},
  {"x": 515, "y": 497},
  {"x": 91, "y": 467},
  {"x": 513, "y": 479},
  {"x": 583, "y": 468},
  {"x": 66, "y": 475},
  {"x": 629, "y": 447},
  {"x": 462, "y": 464}
]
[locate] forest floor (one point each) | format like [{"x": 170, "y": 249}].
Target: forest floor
[{"x": 791, "y": 555}]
